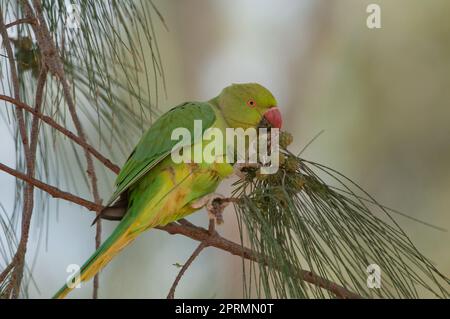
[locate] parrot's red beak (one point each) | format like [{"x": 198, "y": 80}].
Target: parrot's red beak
[{"x": 273, "y": 116}]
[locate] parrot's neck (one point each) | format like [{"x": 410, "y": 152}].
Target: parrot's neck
[
  {"x": 215, "y": 102},
  {"x": 230, "y": 145},
  {"x": 216, "y": 106}
]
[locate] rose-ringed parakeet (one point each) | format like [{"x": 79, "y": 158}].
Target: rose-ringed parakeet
[{"x": 152, "y": 189}]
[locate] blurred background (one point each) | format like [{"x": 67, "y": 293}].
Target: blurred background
[{"x": 381, "y": 96}]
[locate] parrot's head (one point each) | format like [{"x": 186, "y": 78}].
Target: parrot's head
[{"x": 249, "y": 105}]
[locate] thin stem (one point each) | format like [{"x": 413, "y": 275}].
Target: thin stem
[
  {"x": 21, "y": 21},
  {"x": 18, "y": 261},
  {"x": 29, "y": 189},
  {"x": 197, "y": 251},
  {"x": 15, "y": 82},
  {"x": 52, "y": 190},
  {"x": 194, "y": 255},
  {"x": 54, "y": 63},
  {"x": 6, "y": 271},
  {"x": 48, "y": 120},
  {"x": 37, "y": 109}
]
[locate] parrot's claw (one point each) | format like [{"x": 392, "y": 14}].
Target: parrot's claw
[
  {"x": 239, "y": 168},
  {"x": 216, "y": 207},
  {"x": 215, "y": 204}
]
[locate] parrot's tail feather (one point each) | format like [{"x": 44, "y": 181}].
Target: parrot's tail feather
[
  {"x": 62, "y": 293},
  {"x": 102, "y": 256}
]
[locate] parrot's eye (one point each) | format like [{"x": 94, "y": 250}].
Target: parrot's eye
[{"x": 251, "y": 103}]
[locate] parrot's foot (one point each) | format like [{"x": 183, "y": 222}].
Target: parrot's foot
[
  {"x": 215, "y": 205},
  {"x": 240, "y": 168},
  {"x": 215, "y": 209}
]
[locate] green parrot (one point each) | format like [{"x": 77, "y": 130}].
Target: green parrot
[{"x": 154, "y": 190}]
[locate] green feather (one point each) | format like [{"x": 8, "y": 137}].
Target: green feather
[{"x": 156, "y": 144}]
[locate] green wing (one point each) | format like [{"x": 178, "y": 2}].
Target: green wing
[{"x": 156, "y": 143}]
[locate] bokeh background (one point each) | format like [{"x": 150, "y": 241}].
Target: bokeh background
[{"x": 381, "y": 96}]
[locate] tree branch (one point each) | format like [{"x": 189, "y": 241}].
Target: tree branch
[
  {"x": 52, "y": 190},
  {"x": 208, "y": 237},
  {"x": 18, "y": 260},
  {"x": 37, "y": 109},
  {"x": 21, "y": 21},
  {"x": 197, "y": 251},
  {"x": 6, "y": 271},
  {"x": 55, "y": 65},
  {"x": 15, "y": 82},
  {"x": 194, "y": 255},
  {"x": 29, "y": 188},
  {"x": 50, "y": 121}
]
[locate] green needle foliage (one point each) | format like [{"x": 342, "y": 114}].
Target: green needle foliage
[
  {"x": 333, "y": 228},
  {"x": 105, "y": 47},
  {"x": 113, "y": 66}
]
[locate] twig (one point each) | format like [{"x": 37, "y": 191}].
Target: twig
[
  {"x": 6, "y": 271},
  {"x": 183, "y": 227},
  {"x": 52, "y": 190},
  {"x": 29, "y": 189},
  {"x": 18, "y": 260},
  {"x": 194, "y": 255},
  {"x": 21, "y": 21},
  {"x": 37, "y": 109},
  {"x": 15, "y": 82},
  {"x": 197, "y": 251},
  {"x": 54, "y": 63},
  {"x": 48, "y": 120}
]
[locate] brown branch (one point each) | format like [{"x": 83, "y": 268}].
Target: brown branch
[
  {"x": 29, "y": 192},
  {"x": 18, "y": 260},
  {"x": 50, "y": 121},
  {"x": 29, "y": 188},
  {"x": 55, "y": 65},
  {"x": 194, "y": 255},
  {"x": 52, "y": 190},
  {"x": 37, "y": 109},
  {"x": 15, "y": 82},
  {"x": 197, "y": 251},
  {"x": 6, "y": 271},
  {"x": 21, "y": 21}
]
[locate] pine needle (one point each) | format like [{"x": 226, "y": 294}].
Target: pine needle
[{"x": 302, "y": 222}]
